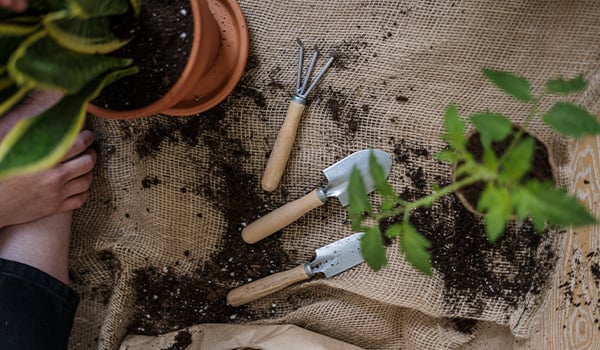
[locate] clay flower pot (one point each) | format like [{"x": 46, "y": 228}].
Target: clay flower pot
[
  {"x": 543, "y": 168},
  {"x": 215, "y": 65}
]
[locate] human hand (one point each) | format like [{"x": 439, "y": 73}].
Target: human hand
[
  {"x": 15, "y": 5},
  {"x": 61, "y": 188}
]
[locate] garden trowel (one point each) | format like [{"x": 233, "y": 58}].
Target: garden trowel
[
  {"x": 329, "y": 261},
  {"x": 338, "y": 176}
]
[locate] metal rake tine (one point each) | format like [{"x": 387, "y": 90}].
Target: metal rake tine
[
  {"x": 311, "y": 66},
  {"x": 318, "y": 77},
  {"x": 300, "y": 63}
]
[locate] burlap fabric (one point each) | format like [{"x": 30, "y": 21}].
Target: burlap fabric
[{"x": 400, "y": 64}]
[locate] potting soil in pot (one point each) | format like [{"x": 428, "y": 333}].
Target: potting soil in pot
[
  {"x": 157, "y": 246},
  {"x": 161, "y": 42}
]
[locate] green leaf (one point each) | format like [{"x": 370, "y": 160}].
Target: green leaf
[
  {"x": 11, "y": 96},
  {"x": 562, "y": 86},
  {"x": 381, "y": 184},
  {"x": 358, "y": 199},
  {"x": 490, "y": 161},
  {"x": 12, "y": 34},
  {"x": 513, "y": 85},
  {"x": 394, "y": 230},
  {"x": 136, "y": 5},
  {"x": 45, "y": 6},
  {"x": 491, "y": 127},
  {"x": 455, "y": 128},
  {"x": 544, "y": 203},
  {"x": 496, "y": 204},
  {"x": 416, "y": 249},
  {"x": 42, "y": 141},
  {"x": 41, "y": 61},
  {"x": 571, "y": 120},
  {"x": 379, "y": 177},
  {"x": 89, "y": 36},
  {"x": 372, "y": 249},
  {"x": 518, "y": 161},
  {"x": 95, "y": 8},
  {"x": 447, "y": 156},
  {"x": 5, "y": 83}
]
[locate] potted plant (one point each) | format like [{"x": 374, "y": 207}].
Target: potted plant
[
  {"x": 80, "y": 47},
  {"x": 500, "y": 170}
]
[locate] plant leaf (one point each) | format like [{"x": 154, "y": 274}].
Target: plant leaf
[
  {"x": 518, "y": 161},
  {"x": 40, "y": 142},
  {"x": 395, "y": 230},
  {"x": 491, "y": 127},
  {"x": 358, "y": 199},
  {"x": 415, "y": 247},
  {"x": 455, "y": 128},
  {"x": 89, "y": 36},
  {"x": 571, "y": 120},
  {"x": 496, "y": 204},
  {"x": 95, "y": 8},
  {"x": 447, "y": 156},
  {"x": 381, "y": 184},
  {"x": 11, "y": 35},
  {"x": 372, "y": 248},
  {"x": 12, "y": 95},
  {"x": 41, "y": 61},
  {"x": 562, "y": 86},
  {"x": 545, "y": 203},
  {"x": 136, "y": 5},
  {"x": 45, "y": 6},
  {"x": 513, "y": 85}
]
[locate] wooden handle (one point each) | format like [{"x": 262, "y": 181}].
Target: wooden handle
[
  {"x": 283, "y": 147},
  {"x": 280, "y": 217},
  {"x": 265, "y": 286}
]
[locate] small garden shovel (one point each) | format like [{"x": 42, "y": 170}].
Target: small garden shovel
[
  {"x": 338, "y": 176},
  {"x": 287, "y": 134},
  {"x": 329, "y": 261}
]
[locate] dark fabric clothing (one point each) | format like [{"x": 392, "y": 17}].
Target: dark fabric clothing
[{"x": 36, "y": 309}]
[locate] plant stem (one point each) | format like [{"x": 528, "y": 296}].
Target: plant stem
[
  {"x": 426, "y": 201},
  {"x": 519, "y": 134}
]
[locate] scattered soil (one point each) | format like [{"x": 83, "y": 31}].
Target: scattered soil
[
  {"x": 541, "y": 169},
  {"x": 464, "y": 325},
  {"x": 182, "y": 340},
  {"x": 474, "y": 271},
  {"x": 162, "y": 40},
  {"x": 166, "y": 301},
  {"x": 584, "y": 269}
]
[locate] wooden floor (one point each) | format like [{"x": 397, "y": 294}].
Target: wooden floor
[{"x": 565, "y": 323}]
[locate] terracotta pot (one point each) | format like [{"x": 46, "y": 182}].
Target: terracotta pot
[
  {"x": 217, "y": 59},
  {"x": 470, "y": 203}
]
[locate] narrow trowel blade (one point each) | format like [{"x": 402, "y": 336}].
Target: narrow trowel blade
[{"x": 338, "y": 256}]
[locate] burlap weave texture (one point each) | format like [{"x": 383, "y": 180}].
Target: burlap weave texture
[{"x": 400, "y": 63}]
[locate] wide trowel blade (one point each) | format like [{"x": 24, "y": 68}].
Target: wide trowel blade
[
  {"x": 338, "y": 256},
  {"x": 338, "y": 175}
]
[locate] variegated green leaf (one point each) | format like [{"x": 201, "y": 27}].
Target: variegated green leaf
[
  {"x": 42, "y": 141},
  {"x": 41, "y": 61},
  {"x": 136, "y": 5},
  {"x": 89, "y": 36},
  {"x": 44, "y": 6},
  {"x": 11, "y": 96},
  {"x": 96, "y": 8},
  {"x": 13, "y": 33}
]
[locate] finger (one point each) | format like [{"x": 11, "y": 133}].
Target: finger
[
  {"x": 74, "y": 202},
  {"x": 80, "y": 165},
  {"x": 83, "y": 141},
  {"x": 77, "y": 185}
]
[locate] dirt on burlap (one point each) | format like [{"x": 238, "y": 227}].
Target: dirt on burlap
[{"x": 157, "y": 246}]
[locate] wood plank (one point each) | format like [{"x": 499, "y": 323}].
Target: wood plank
[{"x": 570, "y": 318}]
